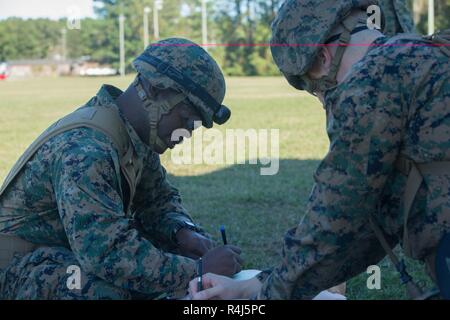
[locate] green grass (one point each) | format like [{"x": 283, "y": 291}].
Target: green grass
[{"x": 257, "y": 210}]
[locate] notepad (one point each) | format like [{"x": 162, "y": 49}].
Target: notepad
[{"x": 246, "y": 274}]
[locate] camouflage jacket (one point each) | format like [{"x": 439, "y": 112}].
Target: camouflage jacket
[
  {"x": 395, "y": 100},
  {"x": 71, "y": 194}
]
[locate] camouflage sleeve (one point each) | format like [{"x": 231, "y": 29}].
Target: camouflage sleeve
[
  {"x": 102, "y": 238},
  {"x": 334, "y": 242},
  {"x": 158, "y": 205}
]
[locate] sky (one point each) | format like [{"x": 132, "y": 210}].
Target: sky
[{"x": 53, "y": 9}]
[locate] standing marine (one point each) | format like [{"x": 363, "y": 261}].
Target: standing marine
[{"x": 386, "y": 177}]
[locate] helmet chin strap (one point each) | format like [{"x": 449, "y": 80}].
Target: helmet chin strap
[
  {"x": 329, "y": 81},
  {"x": 156, "y": 110}
]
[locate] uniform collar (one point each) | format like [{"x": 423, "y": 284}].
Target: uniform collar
[
  {"x": 107, "y": 96},
  {"x": 378, "y": 42}
]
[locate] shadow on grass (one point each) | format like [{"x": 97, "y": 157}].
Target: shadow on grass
[{"x": 258, "y": 210}]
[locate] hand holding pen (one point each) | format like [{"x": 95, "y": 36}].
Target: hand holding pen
[
  {"x": 224, "y": 236},
  {"x": 224, "y": 260}
]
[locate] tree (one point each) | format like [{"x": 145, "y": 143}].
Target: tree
[
  {"x": 28, "y": 39},
  {"x": 442, "y": 14},
  {"x": 241, "y": 29},
  {"x": 133, "y": 10}
]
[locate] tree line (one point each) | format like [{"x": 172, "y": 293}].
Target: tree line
[{"x": 239, "y": 23}]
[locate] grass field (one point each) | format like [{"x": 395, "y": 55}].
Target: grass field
[{"x": 256, "y": 210}]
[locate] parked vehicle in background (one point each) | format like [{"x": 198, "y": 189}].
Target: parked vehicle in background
[
  {"x": 98, "y": 71},
  {"x": 3, "y": 70}
]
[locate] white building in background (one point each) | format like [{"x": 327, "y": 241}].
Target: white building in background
[
  {"x": 55, "y": 68},
  {"x": 38, "y": 67}
]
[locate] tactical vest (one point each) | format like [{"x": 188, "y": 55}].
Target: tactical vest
[{"x": 104, "y": 119}]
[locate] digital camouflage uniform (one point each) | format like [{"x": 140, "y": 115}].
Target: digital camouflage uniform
[
  {"x": 395, "y": 100},
  {"x": 70, "y": 199},
  {"x": 397, "y": 17}
]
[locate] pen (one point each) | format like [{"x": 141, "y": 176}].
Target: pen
[
  {"x": 199, "y": 275},
  {"x": 224, "y": 236}
]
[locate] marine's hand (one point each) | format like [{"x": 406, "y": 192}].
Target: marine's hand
[
  {"x": 192, "y": 244},
  {"x": 220, "y": 287},
  {"x": 224, "y": 260}
]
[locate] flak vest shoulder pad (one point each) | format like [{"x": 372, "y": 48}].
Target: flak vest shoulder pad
[
  {"x": 440, "y": 39},
  {"x": 102, "y": 118}
]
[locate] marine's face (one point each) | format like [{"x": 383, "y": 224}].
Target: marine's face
[{"x": 182, "y": 116}]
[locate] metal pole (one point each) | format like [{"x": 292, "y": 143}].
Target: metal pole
[
  {"x": 416, "y": 12},
  {"x": 204, "y": 25},
  {"x": 64, "y": 44},
  {"x": 146, "y": 12},
  {"x": 122, "y": 44},
  {"x": 430, "y": 17},
  {"x": 155, "y": 20}
]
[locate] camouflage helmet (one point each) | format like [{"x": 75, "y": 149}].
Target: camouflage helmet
[
  {"x": 184, "y": 66},
  {"x": 299, "y": 29},
  {"x": 397, "y": 17}
]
